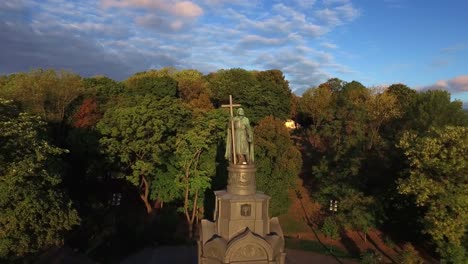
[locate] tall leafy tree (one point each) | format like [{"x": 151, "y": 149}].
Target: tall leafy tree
[
  {"x": 434, "y": 108},
  {"x": 356, "y": 211},
  {"x": 260, "y": 93},
  {"x": 438, "y": 181},
  {"x": 140, "y": 137},
  {"x": 102, "y": 87},
  {"x": 195, "y": 157},
  {"x": 278, "y": 162},
  {"x": 382, "y": 108},
  {"x": 316, "y": 109},
  {"x": 88, "y": 114},
  {"x": 44, "y": 92},
  {"x": 34, "y": 212},
  {"x": 274, "y": 97},
  {"x": 158, "y": 86},
  {"x": 193, "y": 89}
]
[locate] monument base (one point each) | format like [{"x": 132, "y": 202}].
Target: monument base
[{"x": 242, "y": 232}]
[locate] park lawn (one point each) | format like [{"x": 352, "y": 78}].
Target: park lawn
[{"x": 315, "y": 246}]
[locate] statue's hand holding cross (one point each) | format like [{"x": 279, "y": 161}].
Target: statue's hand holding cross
[{"x": 232, "y": 138}]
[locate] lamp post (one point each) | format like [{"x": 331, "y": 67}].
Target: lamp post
[
  {"x": 116, "y": 197},
  {"x": 333, "y": 206},
  {"x": 115, "y": 202}
]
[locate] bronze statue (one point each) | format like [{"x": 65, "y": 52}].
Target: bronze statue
[{"x": 243, "y": 139}]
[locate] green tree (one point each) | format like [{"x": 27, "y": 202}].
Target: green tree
[
  {"x": 437, "y": 180},
  {"x": 316, "y": 107},
  {"x": 278, "y": 162},
  {"x": 434, "y": 109},
  {"x": 334, "y": 84},
  {"x": 44, "y": 92},
  {"x": 195, "y": 157},
  {"x": 236, "y": 82},
  {"x": 157, "y": 86},
  {"x": 102, "y": 87},
  {"x": 382, "y": 108},
  {"x": 140, "y": 137},
  {"x": 260, "y": 93},
  {"x": 34, "y": 212},
  {"x": 403, "y": 93},
  {"x": 330, "y": 228},
  {"x": 410, "y": 255},
  {"x": 371, "y": 257},
  {"x": 405, "y": 101},
  {"x": 356, "y": 211},
  {"x": 273, "y": 97},
  {"x": 193, "y": 89},
  {"x": 342, "y": 139}
]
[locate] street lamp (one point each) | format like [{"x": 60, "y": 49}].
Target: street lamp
[
  {"x": 333, "y": 209},
  {"x": 116, "y": 197},
  {"x": 115, "y": 202},
  {"x": 333, "y": 206}
]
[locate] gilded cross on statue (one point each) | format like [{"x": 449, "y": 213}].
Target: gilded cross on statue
[{"x": 233, "y": 142}]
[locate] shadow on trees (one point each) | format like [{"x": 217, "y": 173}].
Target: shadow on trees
[
  {"x": 308, "y": 157},
  {"x": 219, "y": 181},
  {"x": 108, "y": 234}
]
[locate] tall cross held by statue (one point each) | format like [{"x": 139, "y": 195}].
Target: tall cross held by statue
[{"x": 233, "y": 143}]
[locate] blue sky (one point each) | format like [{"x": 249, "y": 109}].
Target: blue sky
[{"x": 423, "y": 44}]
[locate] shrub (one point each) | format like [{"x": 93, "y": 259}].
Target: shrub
[
  {"x": 330, "y": 228},
  {"x": 410, "y": 255},
  {"x": 389, "y": 242},
  {"x": 371, "y": 257}
]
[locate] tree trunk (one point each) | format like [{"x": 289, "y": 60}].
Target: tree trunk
[
  {"x": 190, "y": 218},
  {"x": 190, "y": 230},
  {"x": 145, "y": 194}
]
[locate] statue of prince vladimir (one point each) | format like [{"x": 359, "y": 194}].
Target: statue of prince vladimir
[{"x": 243, "y": 139}]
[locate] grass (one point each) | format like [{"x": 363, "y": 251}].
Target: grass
[
  {"x": 291, "y": 225},
  {"x": 315, "y": 246}
]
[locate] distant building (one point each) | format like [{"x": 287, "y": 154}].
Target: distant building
[{"x": 290, "y": 124}]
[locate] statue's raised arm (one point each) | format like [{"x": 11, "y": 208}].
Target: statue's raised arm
[{"x": 243, "y": 147}]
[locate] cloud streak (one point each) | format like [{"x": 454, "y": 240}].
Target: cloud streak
[
  {"x": 458, "y": 84},
  {"x": 176, "y": 8}
]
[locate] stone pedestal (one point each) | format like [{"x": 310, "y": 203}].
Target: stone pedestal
[{"x": 242, "y": 231}]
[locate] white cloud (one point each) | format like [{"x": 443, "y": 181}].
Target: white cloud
[
  {"x": 348, "y": 12},
  {"x": 329, "y": 16},
  {"x": 260, "y": 39},
  {"x": 458, "y": 84},
  {"x": 161, "y": 24},
  {"x": 336, "y": 15},
  {"x": 305, "y": 3},
  {"x": 177, "y": 8},
  {"x": 333, "y": 2},
  {"x": 328, "y": 45}
]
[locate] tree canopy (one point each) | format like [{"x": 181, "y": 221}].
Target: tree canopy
[
  {"x": 140, "y": 137},
  {"x": 278, "y": 162},
  {"x": 35, "y": 213},
  {"x": 438, "y": 180},
  {"x": 260, "y": 93},
  {"x": 393, "y": 158}
]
